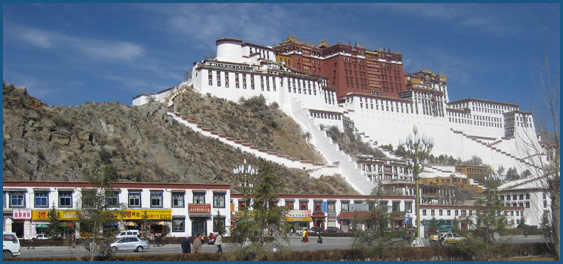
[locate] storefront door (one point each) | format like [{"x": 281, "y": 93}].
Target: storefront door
[{"x": 199, "y": 227}]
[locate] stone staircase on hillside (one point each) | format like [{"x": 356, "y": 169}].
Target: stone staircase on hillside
[
  {"x": 246, "y": 147},
  {"x": 490, "y": 146},
  {"x": 348, "y": 167}
]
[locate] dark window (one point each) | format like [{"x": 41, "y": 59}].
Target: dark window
[
  {"x": 178, "y": 199},
  {"x": 17, "y": 200},
  {"x": 65, "y": 199},
  {"x": 156, "y": 199},
  {"x": 112, "y": 198},
  {"x": 41, "y": 199},
  {"x": 219, "y": 200},
  {"x": 134, "y": 199},
  {"x": 199, "y": 197},
  {"x": 178, "y": 224}
]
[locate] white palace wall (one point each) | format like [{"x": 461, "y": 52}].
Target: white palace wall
[{"x": 247, "y": 70}]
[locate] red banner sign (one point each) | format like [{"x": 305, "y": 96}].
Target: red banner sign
[{"x": 199, "y": 208}]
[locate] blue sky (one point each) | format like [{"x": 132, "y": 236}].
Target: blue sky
[{"x": 68, "y": 54}]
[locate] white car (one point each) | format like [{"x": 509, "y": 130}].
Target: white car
[
  {"x": 130, "y": 243},
  {"x": 42, "y": 237},
  {"x": 128, "y": 233},
  {"x": 10, "y": 245}
]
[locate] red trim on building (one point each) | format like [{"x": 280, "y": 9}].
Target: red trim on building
[{"x": 120, "y": 185}]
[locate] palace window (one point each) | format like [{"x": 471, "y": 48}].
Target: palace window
[{"x": 218, "y": 79}]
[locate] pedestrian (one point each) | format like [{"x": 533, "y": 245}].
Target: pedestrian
[
  {"x": 246, "y": 243},
  {"x": 320, "y": 239},
  {"x": 159, "y": 240},
  {"x": 211, "y": 239},
  {"x": 73, "y": 240},
  {"x": 303, "y": 239},
  {"x": 219, "y": 243},
  {"x": 306, "y": 236},
  {"x": 31, "y": 243},
  {"x": 197, "y": 243},
  {"x": 186, "y": 246}
]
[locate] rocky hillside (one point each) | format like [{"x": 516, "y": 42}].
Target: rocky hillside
[
  {"x": 251, "y": 121},
  {"x": 142, "y": 144}
]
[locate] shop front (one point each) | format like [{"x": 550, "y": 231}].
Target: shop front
[
  {"x": 21, "y": 223},
  {"x": 347, "y": 218},
  {"x": 151, "y": 221},
  {"x": 199, "y": 215},
  {"x": 319, "y": 220},
  {"x": 299, "y": 219},
  {"x": 42, "y": 220}
]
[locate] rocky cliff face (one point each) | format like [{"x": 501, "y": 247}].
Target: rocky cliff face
[{"x": 139, "y": 144}]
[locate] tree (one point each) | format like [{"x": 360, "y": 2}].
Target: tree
[
  {"x": 474, "y": 161},
  {"x": 433, "y": 227},
  {"x": 218, "y": 224},
  {"x": 500, "y": 171},
  {"x": 545, "y": 156},
  {"x": 54, "y": 229},
  {"x": 95, "y": 214},
  {"x": 268, "y": 215},
  {"x": 377, "y": 234},
  {"x": 490, "y": 223},
  {"x": 512, "y": 174}
]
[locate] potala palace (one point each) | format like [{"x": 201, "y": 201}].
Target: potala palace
[{"x": 347, "y": 85}]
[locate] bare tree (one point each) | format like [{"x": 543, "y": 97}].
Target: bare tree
[{"x": 542, "y": 151}]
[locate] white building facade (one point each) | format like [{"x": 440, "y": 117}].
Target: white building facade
[{"x": 175, "y": 210}]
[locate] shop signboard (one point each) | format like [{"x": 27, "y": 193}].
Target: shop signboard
[
  {"x": 21, "y": 214},
  {"x": 45, "y": 215},
  {"x": 298, "y": 216},
  {"x": 199, "y": 210},
  {"x": 149, "y": 214}
]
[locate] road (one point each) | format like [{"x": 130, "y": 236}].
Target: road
[{"x": 294, "y": 244}]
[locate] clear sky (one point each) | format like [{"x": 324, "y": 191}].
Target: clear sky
[{"x": 68, "y": 54}]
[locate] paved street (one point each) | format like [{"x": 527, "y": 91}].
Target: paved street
[{"x": 295, "y": 245}]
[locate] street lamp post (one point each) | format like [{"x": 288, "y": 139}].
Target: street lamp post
[
  {"x": 244, "y": 173},
  {"x": 418, "y": 149}
]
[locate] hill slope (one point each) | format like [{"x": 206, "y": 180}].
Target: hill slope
[{"x": 141, "y": 144}]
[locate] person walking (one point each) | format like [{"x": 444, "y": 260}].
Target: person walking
[
  {"x": 186, "y": 246},
  {"x": 219, "y": 243},
  {"x": 31, "y": 243},
  {"x": 306, "y": 236},
  {"x": 320, "y": 239},
  {"x": 303, "y": 234},
  {"x": 197, "y": 243},
  {"x": 73, "y": 240}
]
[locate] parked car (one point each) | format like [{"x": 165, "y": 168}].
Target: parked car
[
  {"x": 42, "y": 237},
  {"x": 452, "y": 239},
  {"x": 333, "y": 229},
  {"x": 128, "y": 233},
  {"x": 316, "y": 230},
  {"x": 130, "y": 243},
  {"x": 10, "y": 245}
]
